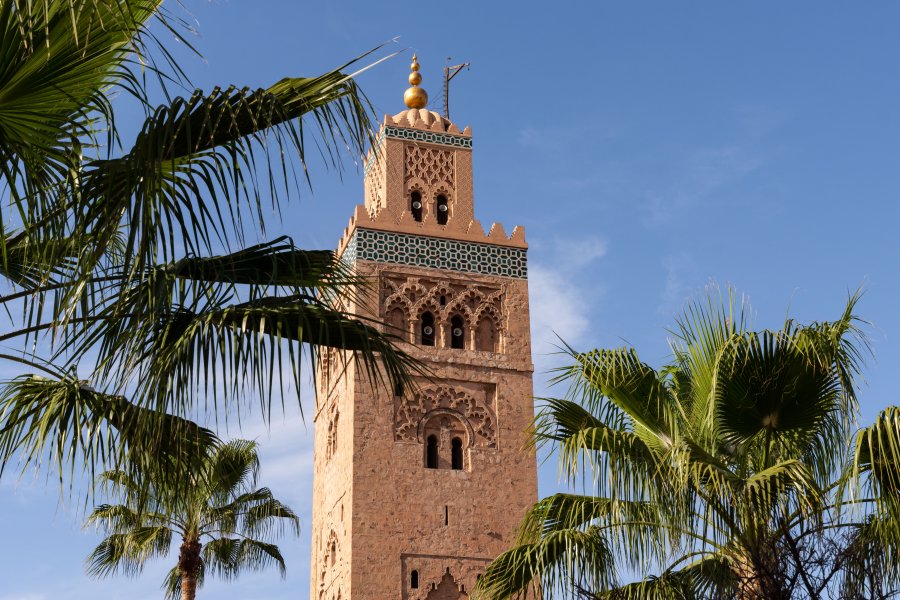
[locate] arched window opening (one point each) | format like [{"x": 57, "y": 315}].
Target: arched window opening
[
  {"x": 415, "y": 205},
  {"x": 431, "y": 452},
  {"x": 427, "y": 329},
  {"x": 443, "y": 211},
  {"x": 414, "y": 580},
  {"x": 486, "y": 335},
  {"x": 456, "y": 456},
  {"x": 397, "y": 323},
  {"x": 333, "y": 553},
  {"x": 457, "y": 332}
]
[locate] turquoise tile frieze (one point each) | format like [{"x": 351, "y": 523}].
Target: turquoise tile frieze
[
  {"x": 436, "y": 253},
  {"x": 431, "y": 137}
]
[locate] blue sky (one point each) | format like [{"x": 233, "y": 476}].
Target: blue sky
[{"x": 647, "y": 147}]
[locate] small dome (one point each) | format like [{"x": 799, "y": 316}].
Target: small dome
[{"x": 422, "y": 118}]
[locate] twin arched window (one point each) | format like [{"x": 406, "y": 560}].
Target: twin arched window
[
  {"x": 433, "y": 454},
  {"x": 441, "y": 207}
]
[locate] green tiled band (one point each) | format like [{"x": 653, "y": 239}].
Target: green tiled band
[
  {"x": 436, "y": 253},
  {"x": 431, "y": 137}
]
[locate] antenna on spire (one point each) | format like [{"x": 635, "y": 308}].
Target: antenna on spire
[{"x": 449, "y": 73}]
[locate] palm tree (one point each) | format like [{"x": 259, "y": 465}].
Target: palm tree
[
  {"x": 731, "y": 472},
  {"x": 221, "y": 520},
  {"x": 138, "y": 293}
]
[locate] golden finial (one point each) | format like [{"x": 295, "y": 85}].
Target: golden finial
[{"x": 415, "y": 97}]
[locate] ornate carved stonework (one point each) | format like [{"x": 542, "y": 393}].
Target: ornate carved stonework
[
  {"x": 441, "y": 577},
  {"x": 404, "y": 299},
  {"x": 429, "y": 166},
  {"x": 374, "y": 185},
  {"x": 411, "y": 414},
  {"x": 331, "y": 565}
]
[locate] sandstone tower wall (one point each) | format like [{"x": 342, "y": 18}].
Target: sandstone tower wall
[{"x": 417, "y": 490}]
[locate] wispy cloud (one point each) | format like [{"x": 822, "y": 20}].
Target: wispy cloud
[
  {"x": 682, "y": 278},
  {"x": 564, "y": 293},
  {"x": 698, "y": 175}
]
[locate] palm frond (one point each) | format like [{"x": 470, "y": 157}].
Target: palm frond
[
  {"x": 73, "y": 424},
  {"x": 632, "y": 386},
  {"x": 127, "y": 552},
  {"x": 227, "y": 557},
  {"x": 569, "y": 559},
  {"x": 874, "y": 471},
  {"x": 708, "y": 577}
]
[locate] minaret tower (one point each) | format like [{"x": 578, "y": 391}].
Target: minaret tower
[{"x": 417, "y": 490}]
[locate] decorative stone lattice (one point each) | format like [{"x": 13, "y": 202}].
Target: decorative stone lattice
[
  {"x": 374, "y": 152},
  {"x": 429, "y": 165},
  {"x": 375, "y": 188},
  {"x": 436, "y": 253},
  {"x": 457, "y": 141},
  {"x": 409, "y": 413}
]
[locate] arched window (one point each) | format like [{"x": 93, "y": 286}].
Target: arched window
[
  {"x": 414, "y": 580},
  {"x": 457, "y": 332},
  {"x": 456, "y": 456},
  {"x": 443, "y": 211},
  {"x": 415, "y": 205},
  {"x": 397, "y": 323},
  {"x": 486, "y": 335},
  {"x": 431, "y": 452},
  {"x": 427, "y": 329}
]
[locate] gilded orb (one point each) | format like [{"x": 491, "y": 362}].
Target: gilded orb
[
  {"x": 415, "y": 97},
  {"x": 415, "y": 78}
]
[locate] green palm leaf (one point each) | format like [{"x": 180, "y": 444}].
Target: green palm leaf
[{"x": 722, "y": 464}]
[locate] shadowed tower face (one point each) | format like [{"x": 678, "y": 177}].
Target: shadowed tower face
[{"x": 417, "y": 490}]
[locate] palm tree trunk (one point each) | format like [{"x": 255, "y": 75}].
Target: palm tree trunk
[{"x": 189, "y": 567}]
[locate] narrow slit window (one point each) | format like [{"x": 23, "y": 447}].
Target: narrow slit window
[
  {"x": 446, "y": 515},
  {"x": 427, "y": 329},
  {"x": 431, "y": 452},
  {"x": 415, "y": 205},
  {"x": 414, "y": 580},
  {"x": 456, "y": 454},
  {"x": 443, "y": 210},
  {"x": 457, "y": 333}
]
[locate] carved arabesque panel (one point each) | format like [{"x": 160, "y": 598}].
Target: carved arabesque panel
[
  {"x": 375, "y": 189},
  {"x": 411, "y": 412},
  {"x": 429, "y": 165}
]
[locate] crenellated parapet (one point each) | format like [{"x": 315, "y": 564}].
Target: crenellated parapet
[{"x": 418, "y": 197}]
